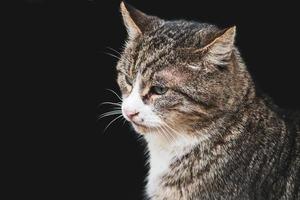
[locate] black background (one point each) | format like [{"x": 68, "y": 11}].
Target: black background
[{"x": 67, "y": 42}]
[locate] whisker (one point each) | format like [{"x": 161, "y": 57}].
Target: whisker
[
  {"x": 115, "y": 94},
  {"x": 112, "y": 55},
  {"x": 171, "y": 128},
  {"x": 173, "y": 131},
  {"x": 170, "y": 135},
  {"x": 110, "y": 103},
  {"x": 158, "y": 131},
  {"x": 112, "y": 122},
  {"x": 115, "y": 112},
  {"x": 111, "y": 112},
  {"x": 165, "y": 135},
  {"x": 117, "y": 108},
  {"x": 119, "y": 54},
  {"x": 178, "y": 133},
  {"x": 168, "y": 127},
  {"x": 124, "y": 121},
  {"x": 110, "y": 48}
]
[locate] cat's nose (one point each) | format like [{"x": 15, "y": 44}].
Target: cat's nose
[{"x": 131, "y": 114}]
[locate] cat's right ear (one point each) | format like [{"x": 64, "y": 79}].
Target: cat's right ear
[{"x": 136, "y": 21}]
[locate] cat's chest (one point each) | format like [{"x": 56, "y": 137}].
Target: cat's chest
[
  {"x": 159, "y": 161},
  {"x": 161, "y": 157}
]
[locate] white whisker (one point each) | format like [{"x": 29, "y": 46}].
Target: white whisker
[
  {"x": 124, "y": 121},
  {"x": 112, "y": 55},
  {"x": 112, "y": 122},
  {"x": 113, "y": 50},
  {"x": 119, "y": 54},
  {"x": 110, "y": 103},
  {"x": 115, "y": 94},
  {"x": 167, "y": 134},
  {"x": 115, "y": 112}
]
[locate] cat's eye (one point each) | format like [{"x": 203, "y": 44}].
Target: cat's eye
[
  {"x": 128, "y": 80},
  {"x": 158, "y": 90}
]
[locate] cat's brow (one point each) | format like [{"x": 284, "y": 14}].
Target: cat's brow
[
  {"x": 158, "y": 57},
  {"x": 152, "y": 62}
]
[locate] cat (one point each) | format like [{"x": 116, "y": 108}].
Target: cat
[{"x": 211, "y": 134}]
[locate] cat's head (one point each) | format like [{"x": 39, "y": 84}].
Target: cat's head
[{"x": 177, "y": 75}]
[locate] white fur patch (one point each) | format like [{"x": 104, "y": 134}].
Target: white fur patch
[
  {"x": 194, "y": 67},
  {"x": 163, "y": 153}
]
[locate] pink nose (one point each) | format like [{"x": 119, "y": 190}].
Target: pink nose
[{"x": 131, "y": 114}]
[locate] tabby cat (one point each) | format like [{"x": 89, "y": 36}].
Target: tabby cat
[{"x": 209, "y": 132}]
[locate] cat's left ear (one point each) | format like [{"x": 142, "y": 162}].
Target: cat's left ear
[
  {"x": 219, "y": 51},
  {"x": 136, "y": 21}
]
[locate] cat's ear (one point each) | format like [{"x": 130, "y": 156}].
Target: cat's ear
[
  {"x": 219, "y": 51},
  {"x": 136, "y": 21}
]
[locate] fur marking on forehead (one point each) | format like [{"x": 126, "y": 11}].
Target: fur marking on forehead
[{"x": 172, "y": 75}]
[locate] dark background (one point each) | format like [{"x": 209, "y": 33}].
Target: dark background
[{"x": 66, "y": 43}]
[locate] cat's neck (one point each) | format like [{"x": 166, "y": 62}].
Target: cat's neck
[{"x": 163, "y": 151}]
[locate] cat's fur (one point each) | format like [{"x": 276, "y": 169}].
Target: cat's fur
[{"x": 225, "y": 139}]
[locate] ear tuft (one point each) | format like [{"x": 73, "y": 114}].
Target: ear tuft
[{"x": 135, "y": 21}]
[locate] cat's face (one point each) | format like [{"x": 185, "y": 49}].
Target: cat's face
[
  {"x": 174, "y": 74},
  {"x": 154, "y": 102}
]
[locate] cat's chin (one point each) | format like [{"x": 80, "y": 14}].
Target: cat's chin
[{"x": 142, "y": 129}]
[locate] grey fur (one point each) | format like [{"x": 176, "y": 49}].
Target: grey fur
[{"x": 254, "y": 146}]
